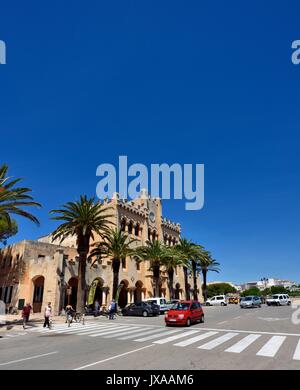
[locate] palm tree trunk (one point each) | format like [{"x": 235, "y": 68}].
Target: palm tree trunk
[
  {"x": 204, "y": 292},
  {"x": 156, "y": 280},
  {"x": 83, "y": 250},
  {"x": 81, "y": 283},
  {"x": 186, "y": 284},
  {"x": 116, "y": 268},
  {"x": 171, "y": 282},
  {"x": 194, "y": 268}
]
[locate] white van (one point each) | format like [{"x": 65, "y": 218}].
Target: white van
[
  {"x": 218, "y": 300},
  {"x": 279, "y": 300},
  {"x": 161, "y": 302}
]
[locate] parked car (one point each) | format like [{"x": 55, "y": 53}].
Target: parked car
[
  {"x": 171, "y": 303},
  {"x": 234, "y": 300},
  {"x": 161, "y": 302},
  {"x": 185, "y": 313},
  {"x": 250, "y": 301},
  {"x": 278, "y": 300},
  {"x": 140, "y": 309},
  {"x": 218, "y": 300}
]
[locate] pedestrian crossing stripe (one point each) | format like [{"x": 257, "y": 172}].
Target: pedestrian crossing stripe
[{"x": 178, "y": 337}]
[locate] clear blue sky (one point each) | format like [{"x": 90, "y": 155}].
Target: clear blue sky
[{"x": 171, "y": 81}]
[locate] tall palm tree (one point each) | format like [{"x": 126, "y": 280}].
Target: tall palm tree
[
  {"x": 207, "y": 263},
  {"x": 116, "y": 245},
  {"x": 13, "y": 199},
  {"x": 82, "y": 218},
  {"x": 156, "y": 253},
  {"x": 188, "y": 251},
  {"x": 172, "y": 260}
]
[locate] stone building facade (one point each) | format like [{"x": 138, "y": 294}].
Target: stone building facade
[{"x": 43, "y": 271}]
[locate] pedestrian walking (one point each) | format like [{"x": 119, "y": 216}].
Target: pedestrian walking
[
  {"x": 112, "y": 309},
  {"x": 96, "y": 308},
  {"x": 26, "y": 313},
  {"x": 47, "y": 315}
]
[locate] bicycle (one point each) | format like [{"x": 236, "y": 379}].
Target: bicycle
[{"x": 78, "y": 317}]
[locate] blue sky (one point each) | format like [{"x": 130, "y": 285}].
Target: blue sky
[{"x": 162, "y": 82}]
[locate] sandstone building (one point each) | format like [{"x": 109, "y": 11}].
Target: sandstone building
[{"x": 41, "y": 271}]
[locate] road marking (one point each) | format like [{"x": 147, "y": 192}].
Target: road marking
[
  {"x": 222, "y": 322},
  {"x": 243, "y": 344},
  {"x": 121, "y": 333},
  {"x": 85, "y": 329},
  {"x": 235, "y": 318},
  {"x": 142, "y": 333},
  {"x": 28, "y": 358},
  {"x": 158, "y": 335},
  {"x": 74, "y": 328},
  {"x": 177, "y": 336},
  {"x": 195, "y": 339},
  {"x": 88, "y": 329},
  {"x": 252, "y": 331},
  {"x": 297, "y": 352},
  {"x": 218, "y": 341},
  {"x": 105, "y": 332},
  {"x": 272, "y": 346},
  {"x": 113, "y": 357}
]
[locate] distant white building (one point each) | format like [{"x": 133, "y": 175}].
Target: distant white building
[{"x": 268, "y": 283}]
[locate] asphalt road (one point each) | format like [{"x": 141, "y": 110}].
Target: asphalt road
[{"x": 231, "y": 338}]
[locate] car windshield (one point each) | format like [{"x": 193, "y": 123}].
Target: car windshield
[
  {"x": 275, "y": 296},
  {"x": 180, "y": 306},
  {"x": 248, "y": 299}
]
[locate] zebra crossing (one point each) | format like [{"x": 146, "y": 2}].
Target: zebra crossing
[{"x": 266, "y": 345}]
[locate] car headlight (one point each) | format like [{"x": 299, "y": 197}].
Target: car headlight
[{"x": 181, "y": 316}]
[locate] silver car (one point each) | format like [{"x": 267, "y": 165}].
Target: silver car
[{"x": 250, "y": 301}]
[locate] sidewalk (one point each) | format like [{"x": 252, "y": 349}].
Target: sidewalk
[{"x": 15, "y": 322}]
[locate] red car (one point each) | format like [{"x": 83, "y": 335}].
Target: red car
[{"x": 185, "y": 313}]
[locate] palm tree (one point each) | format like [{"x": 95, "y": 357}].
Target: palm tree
[
  {"x": 13, "y": 199},
  {"x": 116, "y": 245},
  {"x": 156, "y": 253},
  {"x": 82, "y": 218},
  {"x": 172, "y": 260},
  {"x": 188, "y": 251},
  {"x": 207, "y": 263}
]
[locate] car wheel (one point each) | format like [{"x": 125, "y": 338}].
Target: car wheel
[
  {"x": 202, "y": 319},
  {"x": 289, "y": 303},
  {"x": 145, "y": 313},
  {"x": 222, "y": 304},
  {"x": 188, "y": 322}
]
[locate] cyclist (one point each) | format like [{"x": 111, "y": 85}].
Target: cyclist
[{"x": 26, "y": 313}]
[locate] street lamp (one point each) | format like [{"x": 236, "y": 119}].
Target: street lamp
[{"x": 265, "y": 280}]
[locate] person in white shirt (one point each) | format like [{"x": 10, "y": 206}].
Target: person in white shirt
[{"x": 47, "y": 314}]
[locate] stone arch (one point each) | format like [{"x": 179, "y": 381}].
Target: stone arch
[
  {"x": 123, "y": 224},
  {"x": 136, "y": 229},
  {"x": 71, "y": 299},
  {"x": 138, "y": 291},
  {"x": 123, "y": 297},
  {"x": 38, "y": 293},
  {"x": 98, "y": 291},
  {"x": 130, "y": 227},
  {"x": 153, "y": 235}
]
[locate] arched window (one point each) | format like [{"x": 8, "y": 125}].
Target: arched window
[
  {"x": 153, "y": 236},
  {"x": 130, "y": 227},
  {"x": 123, "y": 224},
  {"x": 136, "y": 229},
  {"x": 149, "y": 234}
]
